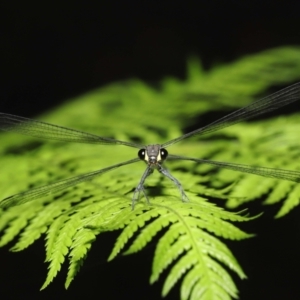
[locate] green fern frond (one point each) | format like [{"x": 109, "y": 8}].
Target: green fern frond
[
  {"x": 292, "y": 200},
  {"x": 279, "y": 192},
  {"x": 57, "y": 258},
  {"x": 188, "y": 234},
  {"x": 82, "y": 242},
  {"x": 186, "y": 243},
  {"x": 13, "y": 224},
  {"x": 52, "y": 234}
]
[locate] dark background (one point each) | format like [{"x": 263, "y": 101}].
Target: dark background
[{"x": 51, "y": 52}]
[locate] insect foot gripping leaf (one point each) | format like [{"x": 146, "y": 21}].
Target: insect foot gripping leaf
[{"x": 189, "y": 246}]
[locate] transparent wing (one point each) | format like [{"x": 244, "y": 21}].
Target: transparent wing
[
  {"x": 267, "y": 104},
  {"x": 57, "y": 186},
  {"x": 45, "y": 130},
  {"x": 261, "y": 171}
]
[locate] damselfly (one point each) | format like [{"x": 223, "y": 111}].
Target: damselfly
[{"x": 153, "y": 155}]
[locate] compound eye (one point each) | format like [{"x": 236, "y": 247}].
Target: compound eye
[
  {"x": 163, "y": 153},
  {"x": 142, "y": 154}
]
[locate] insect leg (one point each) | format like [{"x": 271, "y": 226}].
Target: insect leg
[
  {"x": 166, "y": 173},
  {"x": 140, "y": 188}
]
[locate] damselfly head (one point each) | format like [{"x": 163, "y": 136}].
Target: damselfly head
[{"x": 153, "y": 154}]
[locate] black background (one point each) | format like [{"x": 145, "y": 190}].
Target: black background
[{"x": 51, "y": 52}]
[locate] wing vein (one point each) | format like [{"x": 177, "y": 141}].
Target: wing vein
[{"x": 45, "y": 130}]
